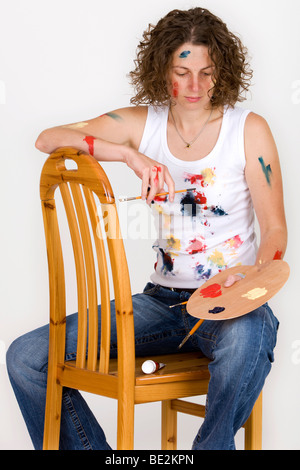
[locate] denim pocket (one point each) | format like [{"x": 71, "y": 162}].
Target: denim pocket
[{"x": 151, "y": 289}]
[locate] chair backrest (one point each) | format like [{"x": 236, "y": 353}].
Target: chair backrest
[{"x": 80, "y": 188}]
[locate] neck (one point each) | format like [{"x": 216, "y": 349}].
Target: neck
[
  {"x": 190, "y": 125},
  {"x": 189, "y": 119}
]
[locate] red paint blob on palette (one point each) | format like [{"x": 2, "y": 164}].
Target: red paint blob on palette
[
  {"x": 89, "y": 139},
  {"x": 214, "y": 290},
  {"x": 278, "y": 255}
]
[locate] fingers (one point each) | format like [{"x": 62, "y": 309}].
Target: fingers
[
  {"x": 170, "y": 184},
  {"x": 232, "y": 279},
  {"x": 156, "y": 182},
  {"x": 154, "y": 178},
  {"x": 145, "y": 183}
]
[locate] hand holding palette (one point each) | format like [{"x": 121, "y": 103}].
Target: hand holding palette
[
  {"x": 258, "y": 284},
  {"x": 213, "y": 301}
]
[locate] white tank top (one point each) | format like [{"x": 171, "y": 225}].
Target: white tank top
[{"x": 211, "y": 228}]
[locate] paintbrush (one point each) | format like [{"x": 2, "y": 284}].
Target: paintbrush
[
  {"x": 177, "y": 305},
  {"x": 191, "y": 333},
  {"x": 123, "y": 199}
]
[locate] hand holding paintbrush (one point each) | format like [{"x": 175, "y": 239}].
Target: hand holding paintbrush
[{"x": 124, "y": 199}]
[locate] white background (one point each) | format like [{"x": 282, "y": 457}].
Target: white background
[{"x": 64, "y": 61}]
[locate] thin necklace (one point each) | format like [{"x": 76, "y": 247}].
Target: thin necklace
[{"x": 188, "y": 144}]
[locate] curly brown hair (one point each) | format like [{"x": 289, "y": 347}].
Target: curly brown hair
[{"x": 197, "y": 26}]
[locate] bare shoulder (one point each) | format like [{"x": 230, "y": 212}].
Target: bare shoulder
[
  {"x": 134, "y": 118},
  {"x": 256, "y": 123},
  {"x": 258, "y": 136}
]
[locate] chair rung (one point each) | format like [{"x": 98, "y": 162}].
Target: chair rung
[{"x": 189, "y": 408}]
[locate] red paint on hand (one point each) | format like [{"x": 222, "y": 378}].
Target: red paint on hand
[
  {"x": 214, "y": 290},
  {"x": 157, "y": 169},
  {"x": 89, "y": 139},
  {"x": 278, "y": 255}
]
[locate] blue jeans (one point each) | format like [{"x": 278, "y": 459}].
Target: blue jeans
[{"x": 241, "y": 351}]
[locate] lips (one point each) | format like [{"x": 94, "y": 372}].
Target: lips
[{"x": 193, "y": 99}]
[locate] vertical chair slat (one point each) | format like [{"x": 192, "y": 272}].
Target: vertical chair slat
[
  {"x": 90, "y": 275},
  {"x": 125, "y": 327},
  {"x": 80, "y": 275},
  {"x": 57, "y": 323},
  {"x": 103, "y": 279}
]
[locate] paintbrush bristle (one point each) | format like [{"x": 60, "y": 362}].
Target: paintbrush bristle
[{"x": 184, "y": 341}]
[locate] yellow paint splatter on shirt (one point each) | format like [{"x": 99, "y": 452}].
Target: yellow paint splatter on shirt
[
  {"x": 173, "y": 243},
  {"x": 217, "y": 258},
  {"x": 208, "y": 176}
]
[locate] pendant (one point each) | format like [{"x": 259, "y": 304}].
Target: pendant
[{"x": 188, "y": 146}]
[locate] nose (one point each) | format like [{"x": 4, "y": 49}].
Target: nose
[{"x": 194, "y": 83}]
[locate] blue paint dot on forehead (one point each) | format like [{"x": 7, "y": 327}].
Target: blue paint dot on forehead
[{"x": 184, "y": 54}]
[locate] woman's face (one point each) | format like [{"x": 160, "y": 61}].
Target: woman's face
[{"x": 191, "y": 76}]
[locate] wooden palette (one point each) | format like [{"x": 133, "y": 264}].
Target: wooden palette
[{"x": 213, "y": 301}]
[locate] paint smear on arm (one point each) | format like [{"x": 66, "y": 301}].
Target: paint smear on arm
[
  {"x": 266, "y": 170},
  {"x": 114, "y": 116},
  {"x": 76, "y": 125},
  {"x": 278, "y": 255},
  {"x": 89, "y": 139}
]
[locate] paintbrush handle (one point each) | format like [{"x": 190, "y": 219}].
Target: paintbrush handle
[
  {"x": 195, "y": 327},
  {"x": 123, "y": 199},
  {"x": 177, "y": 305}
]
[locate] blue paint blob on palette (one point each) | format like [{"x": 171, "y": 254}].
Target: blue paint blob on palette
[{"x": 216, "y": 310}]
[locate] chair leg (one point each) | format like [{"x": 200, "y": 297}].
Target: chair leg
[
  {"x": 253, "y": 427},
  {"x": 52, "y": 416},
  {"x": 125, "y": 433},
  {"x": 168, "y": 426}
]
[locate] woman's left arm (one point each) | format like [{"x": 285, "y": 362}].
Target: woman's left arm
[
  {"x": 263, "y": 176},
  {"x": 264, "y": 179}
]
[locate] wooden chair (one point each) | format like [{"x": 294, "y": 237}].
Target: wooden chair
[{"x": 185, "y": 374}]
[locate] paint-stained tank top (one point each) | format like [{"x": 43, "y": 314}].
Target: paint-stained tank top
[{"x": 210, "y": 228}]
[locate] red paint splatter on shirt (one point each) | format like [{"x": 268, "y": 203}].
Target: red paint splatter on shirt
[
  {"x": 200, "y": 198},
  {"x": 196, "y": 246},
  {"x": 194, "y": 179}
]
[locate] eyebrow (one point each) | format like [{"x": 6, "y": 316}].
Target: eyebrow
[{"x": 186, "y": 68}]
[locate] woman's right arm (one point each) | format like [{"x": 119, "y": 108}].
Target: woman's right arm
[{"x": 114, "y": 136}]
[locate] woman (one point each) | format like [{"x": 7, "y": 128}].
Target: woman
[{"x": 184, "y": 131}]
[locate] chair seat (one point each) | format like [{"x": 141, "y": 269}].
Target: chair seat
[
  {"x": 184, "y": 368},
  {"x": 178, "y": 367}
]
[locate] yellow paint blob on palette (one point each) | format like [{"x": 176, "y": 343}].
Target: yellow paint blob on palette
[{"x": 213, "y": 301}]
